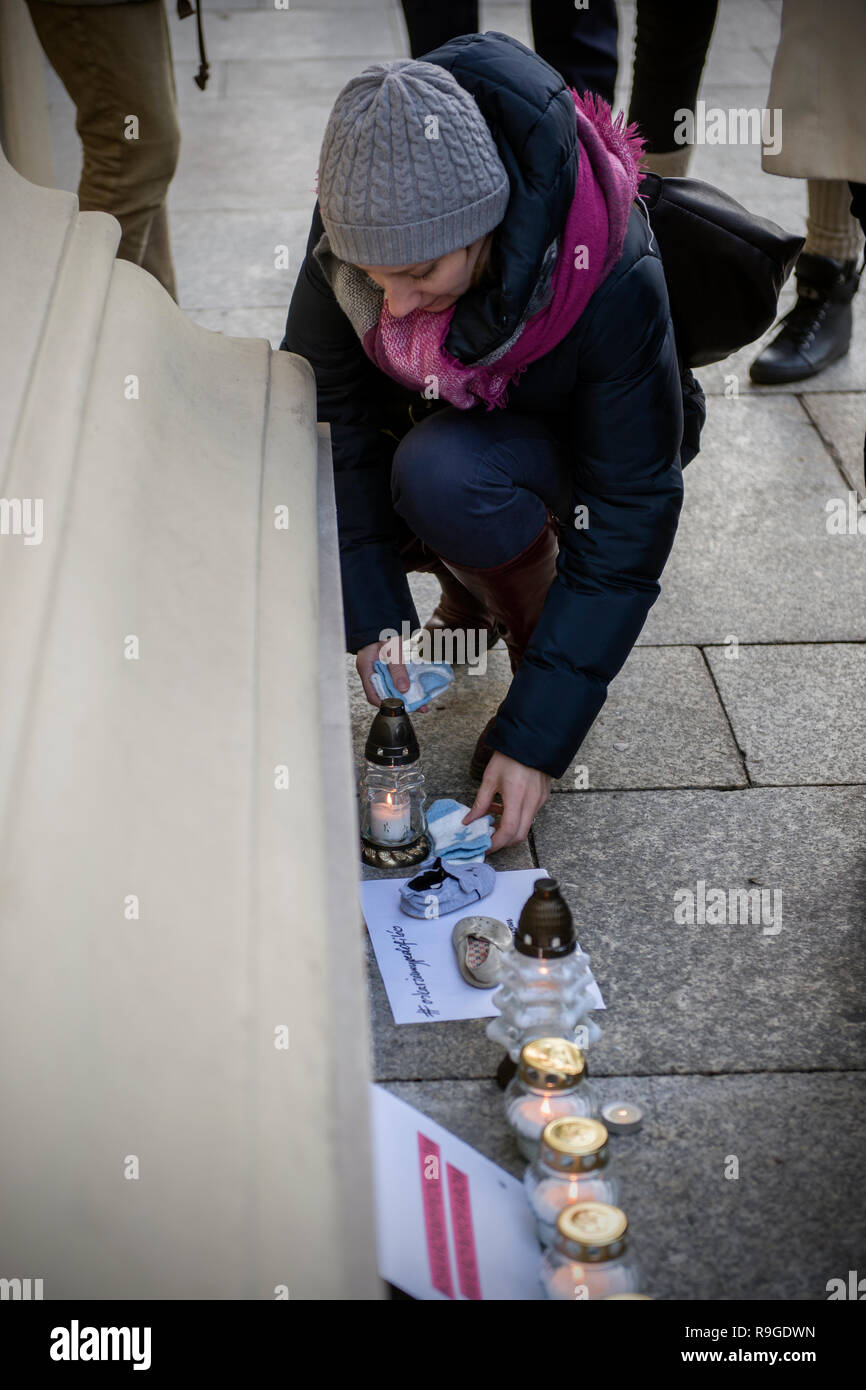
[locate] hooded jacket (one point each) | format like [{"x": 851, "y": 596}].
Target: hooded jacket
[{"x": 613, "y": 391}]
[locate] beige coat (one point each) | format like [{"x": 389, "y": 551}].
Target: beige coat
[{"x": 819, "y": 85}]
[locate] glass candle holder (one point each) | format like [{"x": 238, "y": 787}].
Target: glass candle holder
[
  {"x": 550, "y": 1084},
  {"x": 590, "y": 1258},
  {"x": 572, "y": 1166},
  {"x": 392, "y": 810},
  {"x": 547, "y": 985},
  {"x": 391, "y": 792}
]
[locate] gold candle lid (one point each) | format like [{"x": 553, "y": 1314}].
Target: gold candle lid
[
  {"x": 574, "y": 1144},
  {"x": 591, "y": 1231},
  {"x": 609, "y": 1297},
  {"x": 551, "y": 1064}
]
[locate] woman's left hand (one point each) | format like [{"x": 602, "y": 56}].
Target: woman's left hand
[{"x": 523, "y": 791}]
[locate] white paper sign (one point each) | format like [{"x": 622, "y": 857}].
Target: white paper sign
[
  {"x": 415, "y": 956},
  {"x": 449, "y": 1223}
]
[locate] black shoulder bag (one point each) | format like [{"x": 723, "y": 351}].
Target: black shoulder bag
[{"x": 724, "y": 267}]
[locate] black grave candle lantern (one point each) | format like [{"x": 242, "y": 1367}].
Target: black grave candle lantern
[{"x": 391, "y": 787}]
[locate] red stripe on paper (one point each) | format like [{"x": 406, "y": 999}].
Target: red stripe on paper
[
  {"x": 434, "y": 1215},
  {"x": 464, "y": 1233}
]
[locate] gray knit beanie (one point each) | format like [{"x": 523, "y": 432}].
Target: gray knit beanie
[{"x": 409, "y": 169}]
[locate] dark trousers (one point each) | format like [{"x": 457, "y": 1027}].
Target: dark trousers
[
  {"x": 476, "y": 485},
  {"x": 580, "y": 44},
  {"x": 115, "y": 63},
  {"x": 671, "y": 43}
]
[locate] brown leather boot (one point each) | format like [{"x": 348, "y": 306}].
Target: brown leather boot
[
  {"x": 514, "y": 594},
  {"x": 457, "y": 609}
]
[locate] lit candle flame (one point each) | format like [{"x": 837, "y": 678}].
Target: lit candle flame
[
  {"x": 545, "y": 1107},
  {"x": 389, "y": 799}
]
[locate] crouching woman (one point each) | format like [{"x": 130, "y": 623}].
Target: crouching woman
[{"x": 486, "y": 315}]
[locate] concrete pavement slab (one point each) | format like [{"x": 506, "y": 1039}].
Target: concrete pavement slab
[
  {"x": 370, "y": 31},
  {"x": 312, "y": 79},
  {"x": 799, "y": 712},
  {"x": 841, "y": 421},
  {"x": 662, "y": 726},
  {"x": 248, "y": 154},
  {"x": 778, "y": 993},
  {"x": 753, "y": 557},
  {"x": 230, "y": 261}
]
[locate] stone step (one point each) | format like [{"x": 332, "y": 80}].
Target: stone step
[{"x": 181, "y": 981}]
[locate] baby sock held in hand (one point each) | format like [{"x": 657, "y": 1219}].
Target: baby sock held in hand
[{"x": 427, "y": 679}]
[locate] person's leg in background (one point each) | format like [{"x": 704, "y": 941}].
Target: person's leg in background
[
  {"x": 115, "y": 63},
  {"x": 817, "y": 331},
  {"x": 432, "y": 24},
  {"x": 483, "y": 492},
  {"x": 858, "y": 210},
  {"x": 669, "y": 58},
  {"x": 581, "y": 44}
]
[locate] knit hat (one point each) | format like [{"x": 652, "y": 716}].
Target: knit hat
[{"x": 409, "y": 169}]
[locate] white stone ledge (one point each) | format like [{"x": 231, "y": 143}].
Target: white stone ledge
[{"x": 154, "y": 1037}]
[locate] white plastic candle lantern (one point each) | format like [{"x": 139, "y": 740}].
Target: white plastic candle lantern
[{"x": 547, "y": 985}]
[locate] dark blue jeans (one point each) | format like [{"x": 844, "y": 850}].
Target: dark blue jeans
[{"x": 476, "y": 485}]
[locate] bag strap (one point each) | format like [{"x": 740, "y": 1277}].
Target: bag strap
[{"x": 184, "y": 10}]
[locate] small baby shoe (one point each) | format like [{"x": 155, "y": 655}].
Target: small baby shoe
[
  {"x": 480, "y": 944},
  {"x": 441, "y": 887}
]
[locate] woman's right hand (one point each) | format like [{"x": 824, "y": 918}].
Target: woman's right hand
[{"x": 364, "y": 660}]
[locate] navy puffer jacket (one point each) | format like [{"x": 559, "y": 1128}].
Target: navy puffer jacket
[{"x": 613, "y": 390}]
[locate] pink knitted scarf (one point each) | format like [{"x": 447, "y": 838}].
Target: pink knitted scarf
[{"x": 411, "y": 349}]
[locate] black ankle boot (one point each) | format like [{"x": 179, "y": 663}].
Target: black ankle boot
[{"x": 818, "y": 329}]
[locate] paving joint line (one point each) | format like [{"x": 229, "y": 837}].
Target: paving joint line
[
  {"x": 533, "y": 848},
  {"x": 793, "y": 642},
  {"x": 640, "y": 1076},
  {"x": 827, "y": 442},
  {"x": 706, "y": 787}
]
